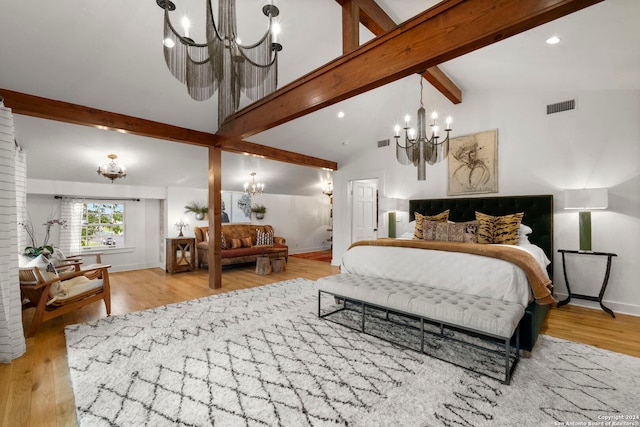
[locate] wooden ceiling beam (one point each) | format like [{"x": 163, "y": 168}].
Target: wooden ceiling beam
[
  {"x": 376, "y": 20},
  {"x": 45, "y": 108},
  {"x": 446, "y": 31},
  {"x": 350, "y": 26},
  {"x": 51, "y": 109},
  {"x": 245, "y": 147}
]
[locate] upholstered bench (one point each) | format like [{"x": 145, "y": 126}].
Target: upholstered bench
[{"x": 487, "y": 317}]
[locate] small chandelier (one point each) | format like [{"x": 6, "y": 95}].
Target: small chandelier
[
  {"x": 419, "y": 148},
  {"x": 112, "y": 170},
  {"x": 222, "y": 63},
  {"x": 253, "y": 188}
]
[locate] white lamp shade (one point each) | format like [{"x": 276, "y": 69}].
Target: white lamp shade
[
  {"x": 403, "y": 205},
  {"x": 386, "y": 204},
  {"x": 586, "y": 199},
  {"x": 393, "y": 204}
]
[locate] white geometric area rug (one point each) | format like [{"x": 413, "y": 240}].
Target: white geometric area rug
[{"x": 262, "y": 357}]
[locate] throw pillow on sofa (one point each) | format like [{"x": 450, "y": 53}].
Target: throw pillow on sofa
[{"x": 264, "y": 237}]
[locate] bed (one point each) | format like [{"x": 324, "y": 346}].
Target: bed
[{"x": 505, "y": 282}]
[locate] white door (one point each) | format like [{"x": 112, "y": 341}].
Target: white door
[{"x": 364, "y": 221}]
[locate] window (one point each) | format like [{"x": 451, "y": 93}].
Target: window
[{"x": 102, "y": 225}]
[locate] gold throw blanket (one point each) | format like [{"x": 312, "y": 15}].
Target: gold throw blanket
[{"x": 538, "y": 281}]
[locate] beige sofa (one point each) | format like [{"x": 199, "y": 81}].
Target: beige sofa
[{"x": 244, "y": 254}]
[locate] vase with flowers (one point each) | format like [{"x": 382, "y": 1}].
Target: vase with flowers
[{"x": 45, "y": 249}]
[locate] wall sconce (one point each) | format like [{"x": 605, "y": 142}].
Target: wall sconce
[
  {"x": 180, "y": 225},
  {"x": 328, "y": 189},
  {"x": 586, "y": 200}
]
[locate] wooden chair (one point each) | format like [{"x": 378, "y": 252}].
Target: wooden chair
[
  {"x": 65, "y": 264},
  {"x": 82, "y": 287}
]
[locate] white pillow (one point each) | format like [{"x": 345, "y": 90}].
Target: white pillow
[{"x": 523, "y": 233}]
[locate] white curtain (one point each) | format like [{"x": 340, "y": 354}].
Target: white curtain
[
  {"x": 71, "y": 234},
  {"x": 12, "y": 343}
]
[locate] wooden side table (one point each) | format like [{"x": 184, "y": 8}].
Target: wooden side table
[
  {"x": 604, "y": 283},
  {"x": 263, "y": 265},
  {"x": 180, "y": 254},
  {"x": 277, "y": 265}
]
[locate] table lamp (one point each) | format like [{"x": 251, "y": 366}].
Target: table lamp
[
  {"x": 586, "y": 200},
  {"x": 393, "y": 205}
]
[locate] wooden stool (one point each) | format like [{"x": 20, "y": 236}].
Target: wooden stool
[
  {"x": 263, "y": 265},
  {"x": 277, "y": 265}
]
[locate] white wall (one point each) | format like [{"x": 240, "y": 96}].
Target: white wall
[
  {"x": 177, "y": 199},
  {"x": 301, "y": 220},
  {"x": 142, "y": 228},
  {"x": 596, "y": 145}
]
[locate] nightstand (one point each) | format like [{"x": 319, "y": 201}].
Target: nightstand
[
  {"x": 181, "y": 253},
  {"x": 603, "y": 288}
]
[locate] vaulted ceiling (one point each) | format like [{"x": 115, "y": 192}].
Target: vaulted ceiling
[{"x": 109, "y": 56}]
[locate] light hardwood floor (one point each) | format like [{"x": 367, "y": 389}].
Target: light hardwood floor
[{"x": 35, "y": 389}]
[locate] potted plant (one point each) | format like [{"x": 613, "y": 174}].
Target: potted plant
[
  {"x": 259, "y": 210},
  {"x": 199, "y": 209},
  {"x": 45, "y": 249}
]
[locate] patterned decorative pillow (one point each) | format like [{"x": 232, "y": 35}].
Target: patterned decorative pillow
[
  {"x": 264, "y": 237},
  {"x": 429, "y": 229},
  {"x": 498, "y": 229},
  {"x": 441, "y": 217},
  {"x": 48, "y": 272},
  {"x": 465, "y": 232},
  {"x": 246, "y": 242},
  {"x": 223, "y": 241},
  {"x": 234, "y": 243}
]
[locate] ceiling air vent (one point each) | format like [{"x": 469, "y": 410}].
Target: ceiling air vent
[
  {"x": 561, "y": 106},
  {"x": 383, "y": 143}
]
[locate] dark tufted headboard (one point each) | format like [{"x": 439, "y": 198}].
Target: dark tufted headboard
[{"x": 538, "y": 213}]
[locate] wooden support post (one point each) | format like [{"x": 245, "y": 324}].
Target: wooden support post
[{"x": 215, "y": 218}]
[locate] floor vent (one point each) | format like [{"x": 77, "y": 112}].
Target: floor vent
[
  {"x": 383, "y": 143},
  {"x": 561, "y": 106}
]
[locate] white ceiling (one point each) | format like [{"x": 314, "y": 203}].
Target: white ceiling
[{"x": 108, "y": 55}]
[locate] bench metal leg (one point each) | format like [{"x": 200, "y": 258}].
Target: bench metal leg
[
  {"x": 343, "y": 307},
  {"x": 507, "y": 353},
  {"x": 509, "y": 366},
  {"x": 509, "y": 369}
]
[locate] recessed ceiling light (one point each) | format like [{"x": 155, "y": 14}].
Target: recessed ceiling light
[
  {"x": 340, "y": 114},
  {"x": 553, "y": 40}
]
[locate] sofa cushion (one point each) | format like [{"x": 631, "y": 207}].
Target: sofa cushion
[
  {"x": 264, "y": 237},
  {"x": 240, "y": 252},
  {"x": 231, "y": 254}
]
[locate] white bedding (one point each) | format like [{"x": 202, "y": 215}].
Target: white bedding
[{"x": 460, "y": 272}]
